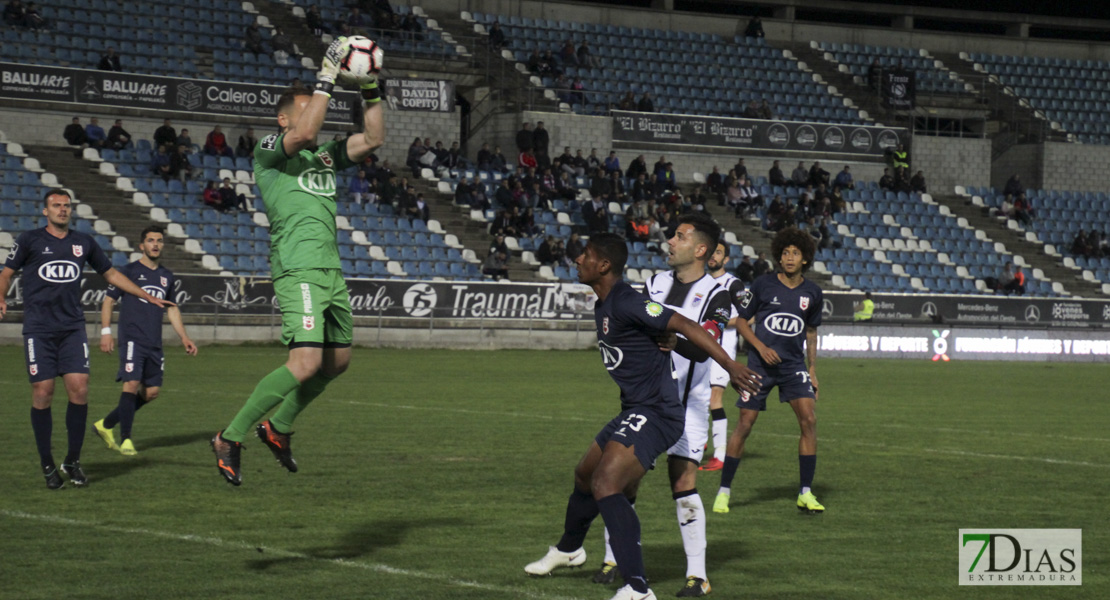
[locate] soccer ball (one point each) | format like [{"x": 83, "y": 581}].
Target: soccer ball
[{"x": 363, "y": 60}]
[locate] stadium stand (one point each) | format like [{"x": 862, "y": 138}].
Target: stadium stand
[{"x": 931, "y": 74}]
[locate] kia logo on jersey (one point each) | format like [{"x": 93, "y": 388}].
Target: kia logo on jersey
[
  {"x": 784, "y": 324},
  {"x": 60, "y": 271}
]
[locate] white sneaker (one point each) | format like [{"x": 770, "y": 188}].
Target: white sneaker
[
  {"x": 627, "y": 593},
  {"x": 555, "y": 559}
]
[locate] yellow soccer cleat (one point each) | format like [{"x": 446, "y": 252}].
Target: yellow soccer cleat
[
  {"x": 695, "y": 587},
  {"x": 808, "y": 502},
  {"x": 127, "y": 448},
  {"x": 720, "y": 505},
  {"x": 106, "y": 434}
]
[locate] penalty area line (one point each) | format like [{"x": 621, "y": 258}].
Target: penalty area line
[{"x": 282, "y": 553}]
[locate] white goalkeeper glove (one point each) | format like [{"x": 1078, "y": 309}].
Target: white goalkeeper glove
[{"x": 329, "y": 65}]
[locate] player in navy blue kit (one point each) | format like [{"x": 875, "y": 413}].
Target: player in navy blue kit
[
  {"x": 140, "y": 339},
  {"x": 786, "y": 308},
  {"x": 630, "y": 332},
  {"x": 54, "y": 338}
]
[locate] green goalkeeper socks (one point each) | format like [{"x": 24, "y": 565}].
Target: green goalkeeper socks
[
  {"x": 297, "y": 401},
  {"x": 267, "y": 394}
]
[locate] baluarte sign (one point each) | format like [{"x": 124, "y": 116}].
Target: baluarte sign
[
  {"x": 435, "y": 95},
  {"x": 104, "y": 88},
  {"x": 756, "y": 134}
]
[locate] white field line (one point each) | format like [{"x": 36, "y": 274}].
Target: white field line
[{"x": 279, "y": 552}]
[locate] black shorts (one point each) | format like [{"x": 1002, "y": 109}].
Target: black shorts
[
  {"x": 647, "y": 430},
  {"x": 140, "y": 363},
  {"x": 49, "y": 355},
  {"x": 792, "y": 380}
]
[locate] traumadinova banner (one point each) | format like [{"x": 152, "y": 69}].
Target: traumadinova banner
[
  {"x": 106, "y": 88},
  {"x": 756, "y": 134},
  {"x": 435, "y": 95}
]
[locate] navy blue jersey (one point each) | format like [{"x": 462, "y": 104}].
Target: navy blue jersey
[
  {"x": 139, "y": 320},
  {"x": 781, "y": 316},
  {"x": 51, "y": 277},
  {"x": 627, "y": 324}
]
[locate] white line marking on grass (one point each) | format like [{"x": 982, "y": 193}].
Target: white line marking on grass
[
  {"x": 271, "y": 551},
  {"x": 980, "y": 432}
]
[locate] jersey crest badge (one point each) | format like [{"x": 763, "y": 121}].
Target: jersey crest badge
[
  {"x": 78, "y": 250},
  {"x": 129, "y": 367},
  {"x": 309, "y": 322},
  {"x": 326, "y": 158},
  {"x": 605, "y": 326},
  {"x": 804, "y": 302},
  {"x": 697, "y": 299},
  {"x": 654, "y": 309},
  {"x": 165, "y": 282},
  {"x": 34, "y": 370}
]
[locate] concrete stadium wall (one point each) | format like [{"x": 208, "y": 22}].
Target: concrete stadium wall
[
  {"x": 1077, "y": 167},
  {"x": 1025, "y": 160},
  {"x": 401, "y": 126},
  {"x": 948, "y": 162}
]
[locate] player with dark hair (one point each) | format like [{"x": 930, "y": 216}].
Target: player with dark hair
[
  {"x": 630, "y": 331},
  {"x": 297, "y": 180},
  {"x": 717, "y": 267},
  {"x": 787, "y": 311},
  {"x": 141, "y": 362},
  {"x": 54, "y": 338}
]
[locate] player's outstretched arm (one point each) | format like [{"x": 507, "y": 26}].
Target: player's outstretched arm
[
  {"x": 302, "y": 134},
  {"x": 373, "y": 132},
  {"x": 107, "y": 342},
  {"x": 174, "y": 315},
  {"x": 743, "y": 378},
  {"x": 121, "y": 281},
  {"x": 811, "y": 356},
  {"x": 5, "y": 283}
]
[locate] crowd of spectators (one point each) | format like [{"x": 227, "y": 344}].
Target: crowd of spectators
[
  {"x": 1091, "y": 244},
  {"x": 24, "y": 16}
]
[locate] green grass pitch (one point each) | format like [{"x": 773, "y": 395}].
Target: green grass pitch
[{"x": 439, "y": 474}]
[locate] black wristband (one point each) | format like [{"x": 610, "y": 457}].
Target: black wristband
[
  {"x": 324, "y": 86},
  {"x": 371, "y": 95}
]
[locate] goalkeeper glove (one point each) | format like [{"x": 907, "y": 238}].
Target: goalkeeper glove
[{"x": 329, "y": 66}]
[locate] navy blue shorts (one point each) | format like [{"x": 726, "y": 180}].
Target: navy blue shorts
[
  {"x": 49, "y": 355},
  {"x": 792, "y": 381},
  {"x": 140, "y": 363},
  {"x": 647, "y": 430}
]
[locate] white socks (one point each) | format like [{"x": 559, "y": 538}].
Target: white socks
[
  {"x": 720, "y": 438},
  {"x": 691, "y": 523}
]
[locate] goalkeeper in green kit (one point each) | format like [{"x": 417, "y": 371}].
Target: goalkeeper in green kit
[{"x": 297, "y": 181}]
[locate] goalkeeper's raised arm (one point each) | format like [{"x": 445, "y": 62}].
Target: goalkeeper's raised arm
[
  {"x": 300, "y": 132},
  {"x": 373, "y": 117}
]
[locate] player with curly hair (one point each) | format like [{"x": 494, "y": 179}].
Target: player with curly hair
[{"x": 785, "y": 311}]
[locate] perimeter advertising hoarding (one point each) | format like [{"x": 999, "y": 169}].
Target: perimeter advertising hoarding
[
  {"x": 755, "y": 134},
  {"x": 944, "y": 344},
  {"x": 128, "y": 90},
  {"x": 1003, "y": 311}
]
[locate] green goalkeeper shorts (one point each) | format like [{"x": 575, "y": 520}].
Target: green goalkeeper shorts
[{"x": 315, "y": 308}]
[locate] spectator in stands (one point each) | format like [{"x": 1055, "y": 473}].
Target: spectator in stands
[
  {"x": 666, "y": 180},
  {"x": 160, "y": 163},
  {"x": 484, "y": 158},
  {"x": 1003, "y": 280},
  {"x": 1013, "y": 186},
  {"x": 315, "y": 22},
  {"x": 751, "y": 199},
  {"x": 415, "y": 153},
  {"x": 646, "y": 104},
  {"x": 359, "y": 189},
  {"x": 497, "y": 161},
  {"x": 540, "y": 140},
  {"x": 184, "y": 140},
  {"x": 252, "y": 39},
  {"x": 211, "y": 195},
  {"x": 568, "y": 56},
  {"x": 497, "y": 37},
  {"x": 826, "y": 236},
  {"x": 744, "y": 270},
  {"x": 14, "y": 13},
  {"x": 1017, "y": 284},
  {"x": 545, "y": 254},
  {"x": 734, "y": 197},
  {"x": 776, "y": 215},
  {"x": 229, "y": 200},
  {"x": 715, "y": 182},
  {"x": 585, "y": 57},
  {"x": 524, "y": 138},
  {"x": 755, "y": 28},
  {"x": 503, "y": 225},
  {"x": 593, "y": 162},
  {"x": 527, "y": 160},
  {"x": 535, "y": 62},
  {"x": 281, "y": 44},
  {"x": 817, "y": 175},
  {"x": 1023, "y": 210},
  {"x": 844, "y": 179},
  {"x": 874, "y": 74},
  {"x": 441, "y": 153},
  {"x": 412, "y": 28},
  {"x": 800, "y": 176},
  {"x": 739, "y": 169},
  {"x": 917, "y": 183},
  {"x": 574, "y": 248},
  {"x": 118, "y": 137},
  {"x": 462, "y": 191},
  {"x": 596, "y": 215},
  {"x": 33, "y": 19},
  {"x": 110, "y": 61},
  {"x": 496, "y": 266},
  {"x": 216, "y": 144},
  {"x": 355, "y": 22},
  {"x": 762, "y": 266},
  {"x": 247, "y": 142},
  {"x": 95, "y": 134},
  {"x": 751, "y": 111},
  {"x": 165, "y": 134},
  {"x": 613, "y": 164},
  {"x": 526, "y": 223},
  {"x": 1081, "y": 245},
  {"x": 775, "y": 175},
  {"x": 383, "y": 14},
  {"x": 75, "y": 134},
  {"x": 833, "y": 203},
  {"x": 627, "y": 102},
  {"x": 765, "y": 111},
  {"x": 886, "y": 182},
  {"x": 455, "y": 159},
  {"x": 899, "y": 158},
  {"x": 902, "y": 180},
  {"x": 417, "y": 209},
  {"x": 180, "y": 166}
]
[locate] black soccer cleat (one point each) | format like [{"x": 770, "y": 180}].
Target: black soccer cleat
[
  {"x": 606, "y": 574},
  {"x": 53, "y": 479},
  {"x": 278, "y": 443},
  {"x": 227, "y": 458},
  {"x": 75, "y": 473}
]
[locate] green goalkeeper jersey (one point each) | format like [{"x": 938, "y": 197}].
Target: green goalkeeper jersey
[{"x": 299, "y": 194}]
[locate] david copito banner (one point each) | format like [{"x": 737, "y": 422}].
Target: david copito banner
[{"x": 435, "y": 95}]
